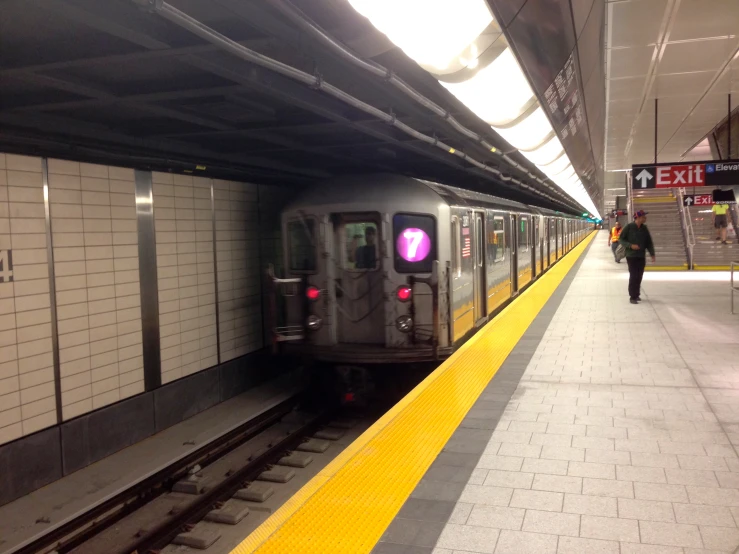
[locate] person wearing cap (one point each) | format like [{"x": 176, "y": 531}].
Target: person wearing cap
[
  {"x": 636, "y": 239},
  {"x": 613, "y": 239}
]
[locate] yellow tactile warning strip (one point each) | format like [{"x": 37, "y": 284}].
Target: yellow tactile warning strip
[
  {"x": 711, "y": 267},
  {"x": 666, "y": 267},
  {"x": 349, "y": 504}
]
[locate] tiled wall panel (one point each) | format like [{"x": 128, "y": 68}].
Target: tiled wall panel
[
  {"x": 95, "y": 239},
  {"x": 27, "y": 389},
  {"x": 185, "y": 271},
  {"x": 237, "y": 244}
]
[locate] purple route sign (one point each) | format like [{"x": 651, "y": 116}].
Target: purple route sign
[{"x": 413, "y": 244}]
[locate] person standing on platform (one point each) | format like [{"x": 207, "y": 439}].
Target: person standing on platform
[
  {"x": 720, "y": 221},
  {"x": 636, "y": 239},
  {"x": 613, "y": 239}
]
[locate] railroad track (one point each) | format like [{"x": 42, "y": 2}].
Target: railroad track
[{"x": 214, "y": 485}]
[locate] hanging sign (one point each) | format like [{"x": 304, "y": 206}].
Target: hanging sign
[{"x": 711, "y": 174}]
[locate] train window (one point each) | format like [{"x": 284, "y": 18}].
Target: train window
[
  {"x": 523, "y": 234},
  {"x": 496, "y": 240},
  {"x": 360, "y": 245},
  {"x": 456, "y": 248},
  {"x": 414, "y": 241},
  {"x": 302, "y": 244},
  {"x": 479, "y": 251}
]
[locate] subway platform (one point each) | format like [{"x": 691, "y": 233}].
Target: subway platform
[{"x": 574, "y": 422}]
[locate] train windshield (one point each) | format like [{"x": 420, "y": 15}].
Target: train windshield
[
  {"x": 302, "y": 244},
  {"x": 360, "y": 245}
]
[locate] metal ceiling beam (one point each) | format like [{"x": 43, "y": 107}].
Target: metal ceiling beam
[
  {"x": 254, "y": 14},
  {"x": 101, "y": 97},
  {"x": 71, "y": 128},
  {"x": 128, "y": 58},
  {"x": 93, "y": 151},
  {"x": 77, "y": 87},
  {"x": 147, "y": 97},
  {"x": 102, "y": 24},
  {"x": 280, "y": 87},
  {"x": 327, "y": 127}
]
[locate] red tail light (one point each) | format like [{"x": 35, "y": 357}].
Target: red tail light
[
  {"x": 313, "y": 293},
  {"x": 404, "y": 293}
]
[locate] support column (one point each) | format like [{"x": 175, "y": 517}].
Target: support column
[{"x": 148, "y": 280}]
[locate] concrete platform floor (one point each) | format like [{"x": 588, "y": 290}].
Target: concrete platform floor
[{"x": 618, "y": 435}]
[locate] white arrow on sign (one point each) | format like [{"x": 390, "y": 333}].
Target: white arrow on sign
[
  {"x": 644, "y": 176},
  {"x": 688, "y": 200}
]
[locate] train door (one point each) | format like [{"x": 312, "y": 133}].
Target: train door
[
  {"x": 539, "y": 245},
  {"x": 358, "y": 278},
  {"x": 559, "y": 238},
  {"x": 535, "y": 254},
  {"x": 478, "y": 273},
  {"x": 512, "y": 233},
  {"x": 544, "y": 242},
  {"x": 552, "y": 240},
  {"x": 496, "y": 262}
]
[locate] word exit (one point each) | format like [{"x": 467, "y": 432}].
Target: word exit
[
  {"x": 670, "y": 176},
  {"x": 708, "y": 174}
]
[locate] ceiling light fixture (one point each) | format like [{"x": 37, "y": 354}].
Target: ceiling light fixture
[{"x": 444, "y": 37}]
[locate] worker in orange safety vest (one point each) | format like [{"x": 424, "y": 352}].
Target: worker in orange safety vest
[{"x": 613, "y": 239}]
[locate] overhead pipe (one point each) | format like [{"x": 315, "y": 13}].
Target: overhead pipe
[
  {"x": 303, "y": 22},
  {"x": 208, "y": 34}
]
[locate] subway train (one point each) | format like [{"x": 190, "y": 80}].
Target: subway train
[{"x": 386, "y": 269}]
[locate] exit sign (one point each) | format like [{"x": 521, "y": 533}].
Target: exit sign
[{"x": 698, "y": 174}]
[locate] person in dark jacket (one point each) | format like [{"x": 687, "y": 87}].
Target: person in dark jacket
[{"x": 636, "y": 239}]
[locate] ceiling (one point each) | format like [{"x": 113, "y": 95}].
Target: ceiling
[
  {"x": 110, "y": 82},
  {"x": 685, "y": 54}
]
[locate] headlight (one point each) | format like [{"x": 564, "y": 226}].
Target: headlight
[
  {"x": 404, "y": 323},
  {"x": 313, "y": 322}
]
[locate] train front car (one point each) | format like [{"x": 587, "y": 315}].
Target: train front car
[{"x": 364, "y": 278}]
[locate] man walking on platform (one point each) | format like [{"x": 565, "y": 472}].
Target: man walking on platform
[
  {"x": 636, "y": 239},
  {"x": 613, "y": 239}
]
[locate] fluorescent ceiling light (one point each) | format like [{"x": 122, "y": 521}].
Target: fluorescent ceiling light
[
  {"x": 546, "y": 153},
  {"x": 557, "y": 166},
  {"x": 443, "y": 36},
  {"x": 484, "y": 95},
  {"x": 529, "y": 133},
  {"x": 431, "y": 32}
]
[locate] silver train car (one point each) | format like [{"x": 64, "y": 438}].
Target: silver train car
[{"x": 389, "y": 269}]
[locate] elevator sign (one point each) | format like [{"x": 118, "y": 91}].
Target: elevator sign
[{"x": 712, "y": 174}]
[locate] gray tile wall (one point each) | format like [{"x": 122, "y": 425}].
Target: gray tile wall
[{"x": 237, "y": 245}]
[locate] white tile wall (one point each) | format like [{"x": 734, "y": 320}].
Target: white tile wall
[
  {"x": 95, "y": 239},
  {"x": 237, "y": 243},
  {"x": 95, "y": 247},
  {"x": 27, "y": 391},
  {"x": 186, "y": 281}
]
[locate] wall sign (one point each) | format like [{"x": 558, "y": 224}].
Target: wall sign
[{"x": 6, "y": 266}]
